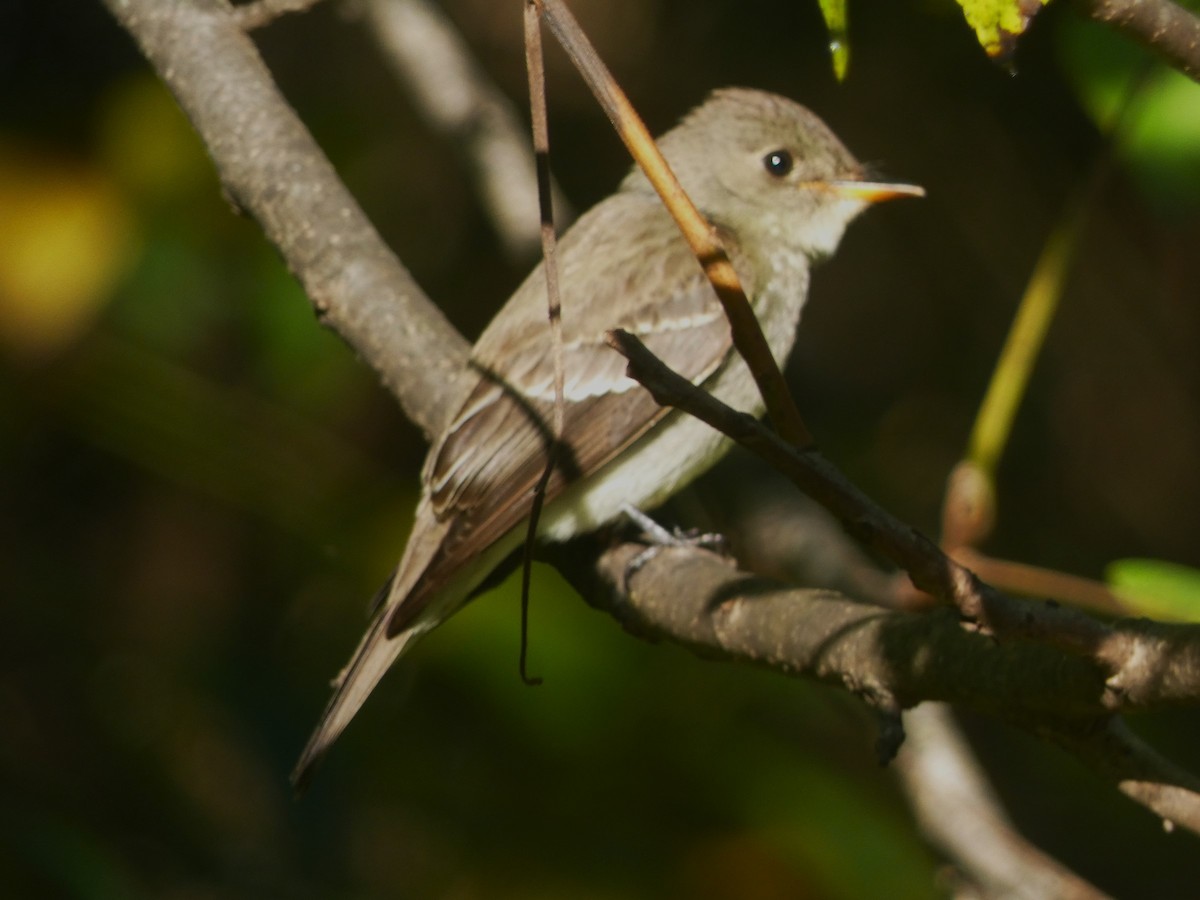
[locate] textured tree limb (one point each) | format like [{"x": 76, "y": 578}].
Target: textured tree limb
[
  {"x": 1167, "y": 28},
  {"x": 272, "y": 169},
  {"x": 892, "y": 660},
  {"x": 1145, "y": 663}
]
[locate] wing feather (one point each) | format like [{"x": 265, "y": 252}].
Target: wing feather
[{"x": 481, "y": 476}]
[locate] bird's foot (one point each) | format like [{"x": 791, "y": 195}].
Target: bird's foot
[{"x": 659, "y": 537}]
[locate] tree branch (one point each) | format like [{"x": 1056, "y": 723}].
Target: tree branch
[
  {"x": 891, "y": 660},
  {"x": 263, "y": 12},
  {"x": 1167, "y": 28},
  {"x": 958, "y": 812},
  {"x": 270, "y": 166},
  {"x": 1146, "y": 663}
]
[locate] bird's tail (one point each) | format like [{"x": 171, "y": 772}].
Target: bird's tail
[{"x": 374, "y": 656}]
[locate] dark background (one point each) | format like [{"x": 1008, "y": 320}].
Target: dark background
[{"x": 202, "y": 488}]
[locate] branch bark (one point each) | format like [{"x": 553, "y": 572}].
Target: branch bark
[
  {"x": 892, "y": 660},
  {"x": 1144, "y": 663},
  {"x": 272, "y": 169},
  {"x": 1166, "y": 28}
]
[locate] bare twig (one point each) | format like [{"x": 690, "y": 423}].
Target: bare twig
[
  {"x": 959, "y": 813},
  {"x": 930, "y": 569},
  {"x": 263, "y": 12},
  {"x": 1139, "y": 772},
  {"x": 432, "y": 60},
  {"x": 535, "y": 66},
  {"x": 1142, "y": 659},
  {"x": 701, "y": 236},
  {"x": 1167, "y": 28},
  {"x": 270, "y": 167},
  {"x": 1035, "y": 581}
]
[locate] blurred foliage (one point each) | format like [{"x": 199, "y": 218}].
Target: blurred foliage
[
  {"x": 1159, "y": 135},
  {"x": 204, "y": 487},
  {"x": 834, "y": 12},
  {"x": 1157, "y": 589}
]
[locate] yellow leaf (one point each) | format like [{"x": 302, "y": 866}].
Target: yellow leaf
[
  {"x": 998, "y": 23},
  {"x": 834, "y": 12},
  {"x": 66, "y": 235}
]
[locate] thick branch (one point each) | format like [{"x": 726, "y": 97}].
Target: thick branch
[
  {"x": 263, "y": 12},
  {"x": 1167, "y": 28},
  {"x": 271, "y": 167},
  {"x": 1147, "y": 663},
  {"x": 892, "y": 660}
]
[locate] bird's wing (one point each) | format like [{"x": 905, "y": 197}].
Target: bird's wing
[{"x": 480, "y": 477}]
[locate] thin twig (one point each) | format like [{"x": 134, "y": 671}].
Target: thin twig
[
  {"x": 263, "y": 12},
  {"x": 536, "y": 70},
  {"x": 1139, "y": 771},
  {"x": 1036, "y": 581},
  {"x": 701, "y": 237},
  {"x": 453, "y": 93},
  {"x": 930, "y": 569},
  {"x": 1142, "y": 659}
]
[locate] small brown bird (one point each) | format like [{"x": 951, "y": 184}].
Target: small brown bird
[{"x": 780, "y": 188}]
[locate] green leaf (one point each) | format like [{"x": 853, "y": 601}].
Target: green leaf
[
  {"x": 1157, "y": 589},
  {"x": 998, "y": 23},
  {"x": 1152, "y": 111},
  {"x": 839, "y": 41}
]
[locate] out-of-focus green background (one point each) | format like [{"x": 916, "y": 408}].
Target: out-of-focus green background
[{"x": 202, "y": 488}]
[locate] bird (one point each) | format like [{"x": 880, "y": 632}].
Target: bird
[{"x": 779, "y": 188}]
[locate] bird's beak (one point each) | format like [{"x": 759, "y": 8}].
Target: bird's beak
[{"x": 872, "y": 191}]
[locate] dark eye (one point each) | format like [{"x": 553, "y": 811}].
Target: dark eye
[{"x": 778, "y": 162}]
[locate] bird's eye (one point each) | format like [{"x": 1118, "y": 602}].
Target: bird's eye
[{"x": 778, "y": 162}]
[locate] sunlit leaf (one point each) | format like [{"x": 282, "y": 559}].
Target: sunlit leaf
[
  {"x": 146, "y": 142},
  {"x": 1152, "y": 110},
  {"x": 839, "y": 41},
  {"x": 1157, "y": 589},
  {"x": 998, "y": 23},
  {"x": 66, "y": 235}
]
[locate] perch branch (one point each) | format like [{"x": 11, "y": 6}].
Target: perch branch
[
  {"x": 271, "y": 168},
  {"x": 1145, "y": 662}
]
